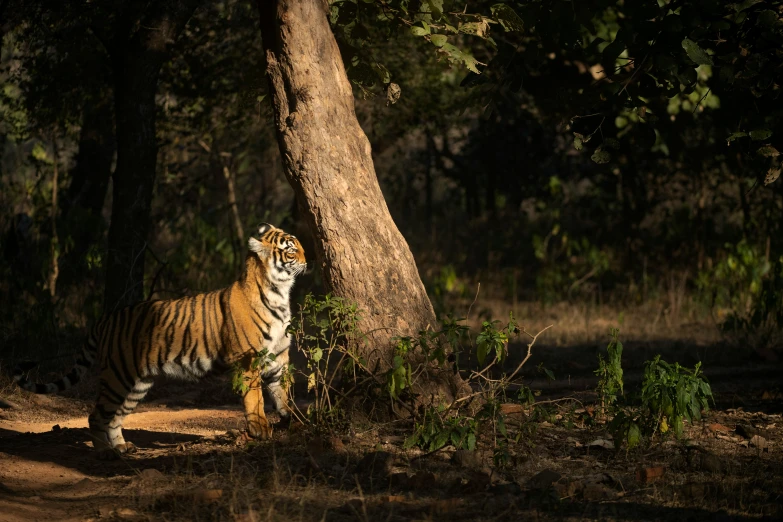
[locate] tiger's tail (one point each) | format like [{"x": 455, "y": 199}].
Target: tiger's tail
[{"x": 82, "y": 365}]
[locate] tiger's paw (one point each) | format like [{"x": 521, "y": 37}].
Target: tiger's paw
[
  {"x": 126, "y": 448},
  {"x": 259, "y": 430}
]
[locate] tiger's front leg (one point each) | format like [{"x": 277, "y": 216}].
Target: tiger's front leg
[{"x": 253, "y": 399}]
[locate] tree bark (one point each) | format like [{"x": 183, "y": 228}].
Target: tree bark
[
  {"x": 137, "y": 60},
  {"x": 328, "y": 162},
  {"x": 83, "y": 201},
  {"x": 54, "y": 247},
  {"x": 239, "y": 230},
  {"x": 92, "y": 170}
]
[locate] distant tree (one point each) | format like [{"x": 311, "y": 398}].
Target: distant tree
[{"x": 139, "y": 43}]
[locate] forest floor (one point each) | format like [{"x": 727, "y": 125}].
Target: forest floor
[{"x": 194, "y": 462}]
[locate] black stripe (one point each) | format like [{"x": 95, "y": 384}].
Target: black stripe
[
  {"x": 247, "y": 339},
  {"x": 268, "y": 307},
  {"x": 266, "y": 324},
  {"x": 167, "y": 308},
  {"x": 116, "y": 340},
  {"x": 169, "y": 343},
  {"x": 106, "y": 333},
  {"x": 264, "y": 333},
  {"x": 209, "y": 348},
  {"x": 204, "y": 339},
  {"x": 134, "y": 347},
  {"x": 215, "y": 320},
  {"x": 230, "y": 317},
  {"x": 154, "y": 316},
  {"x": 185, "y": 342},
  {"x": 127, "y": 320},
  {"x": 104, "y": 413},
  {"x": 233, "y": 325},
  {"x": 175, "y": 306},
  {"x": 124, "y": 377},
  {"x": 110, "y": 393}
]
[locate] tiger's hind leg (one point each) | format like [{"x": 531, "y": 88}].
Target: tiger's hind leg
[{"x": 110, "y": 412}]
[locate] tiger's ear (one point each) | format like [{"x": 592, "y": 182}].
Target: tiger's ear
[
  {"x": 254, "y": 245},
  {"x": 263, "y": 228}
]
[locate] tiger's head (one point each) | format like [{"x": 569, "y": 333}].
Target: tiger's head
[{"x": 281, "y": 253}]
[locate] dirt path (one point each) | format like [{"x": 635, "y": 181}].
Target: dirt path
[{"x": 49, "y": 471}]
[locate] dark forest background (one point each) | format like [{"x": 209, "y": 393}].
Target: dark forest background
[{"x": 614, "y": 161}]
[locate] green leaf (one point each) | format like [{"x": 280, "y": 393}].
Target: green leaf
[
  {"x": 741, "y": 6},
  {"x": 634, "y": 435},
  {"x": 735, "y": 136},
  {"x": 768, "y": 151},
  {"x": 696, "y": 53},
  {"x": 480, "y": 29},
  {"x": 435, "y": 7},
  {"x": 578, "y": 141},
  {"x": 39, "y": 153},
  {"x": 457, "y": 56},
  {"x": 502, "y": 426},
  {"x": 420, "y": 31},
  {"x": 438, "y": 40},
  {"x": 507, "y": 17},
  {"x": 481, "y": 352},
  {"x": 600, "y": 156},
  {"x": 441, "y": 439},
  {"x": 471, "y": 441},
  {"x": 318, "y": 353},
  {"x": 411, "y": 441},
  {"x": 760, "y": 134},
  {"x": 613, "y": 50},
  {"x": 767, "y": 18}
]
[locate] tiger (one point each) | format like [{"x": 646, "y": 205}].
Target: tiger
[{"x": 187, "y": 337}]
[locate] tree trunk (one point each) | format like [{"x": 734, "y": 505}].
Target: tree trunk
[
  {"x": 239, "y": 230},
  {"x": 91, "y": 173},
  {"x": 83, "y": 201},
  {"x": 136, "y": 64},
  {"x": 54, "y": 267},
  {"x": 328, "y": 162}
]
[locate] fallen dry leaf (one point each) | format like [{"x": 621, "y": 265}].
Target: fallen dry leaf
[
  {"x": 511, "y": 408},
  {"x": 601, "y": 443},
  {"x": 206, "y": 496},
  {"x": 393, "y": 498},
  {"x": 651, "y": 474},
  {"x": 445, "y": 506},
  {"x": 757, "y": 441},
  {"x": 719, "y": 428}
]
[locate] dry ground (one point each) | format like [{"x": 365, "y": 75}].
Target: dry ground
[{"x": 194, "y": 463}]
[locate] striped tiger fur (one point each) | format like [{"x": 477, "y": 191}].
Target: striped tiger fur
[{"x": 187, "y": 337}]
